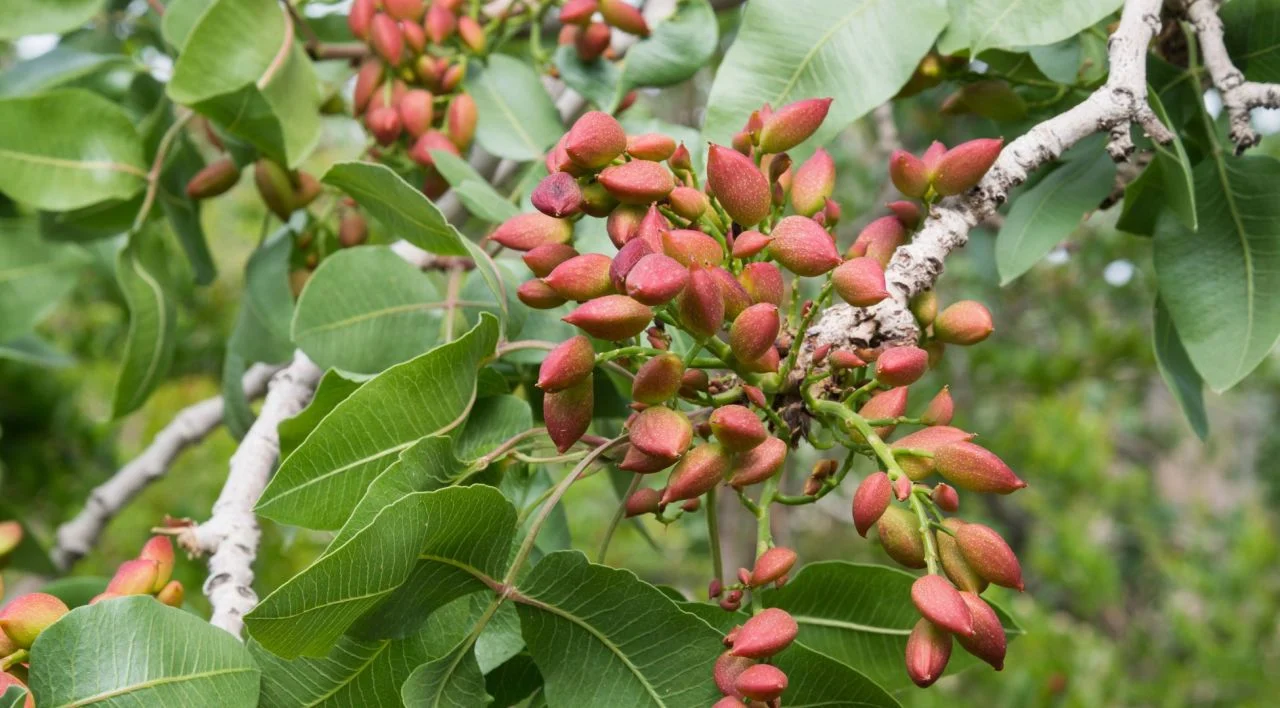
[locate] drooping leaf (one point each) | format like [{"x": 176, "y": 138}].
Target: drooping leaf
[
  {"x": 475, "y": 193},
  {"x": 679, "y": 46},
  {"x": 262, "y": 325},
  {"x": 61, "y": 65},
  {"x": 453, "y": 680},
  {"x": 68, "y": 148},
  {"x": 1010, "y": 24},
  {"x": 332, "y": 390},
  {"x": 184, "y": 213},
  {"x": 153, "y": 320},
  {"x": 591, "y": 652},
  {"x": 1047, "y": 213},
  {"x": 1059, "y": 61},
  {"x": 319, "y": 484},
  {"x": 517, "y": 118},
  {"x": 31, "y": 349},
  {"x": 133, "y": 651},
  {"x": 34, "y": 275},
  {"x": 243, "y": 68},
  {"x": 860, "y": 615},
  {"x": 365, "y": 309},
  {"x": 1177, "y": 371},
  {"x": 456, "y": 531},
  {"x": 1221, "y": 283},
  {"x": 1175, "y": 169},
  {"x": 859, "y": 53},
  {"x": 23, "y": 17},
  {"x": 597, "y": 81}
]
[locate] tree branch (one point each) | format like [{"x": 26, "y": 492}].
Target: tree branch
[
  {"x": 1239, "y": 97},
  {"x": 231, "y": 534},
  {"x": 78, "y": 536},
  {"x": 915, "y": 267}
]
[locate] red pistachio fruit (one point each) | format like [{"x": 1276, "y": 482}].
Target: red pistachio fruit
[
  {"x": 754, "y": 331},
  {"x": 931, "y": 157},
  {"x": 384, "y": 123},
  {"x": 135, "y": 577},
  {"x": 759, "y": 463},
  {"x": 652, "y": 227},
  {"x": 953, "y": 562},
  {"x": 870, "y": 500},
  {"x": 792, "y": 124},
  {"x": 691, "y": 247},
  {"x": 940, "y": 410},
  {"x": 929, "y": 440},
  {"x": 693, "y": 381},
  {"x": 8, "y": 680},
  {"x": 595, "y": 140},
  {"x": 160, "y": 550},
  {"x": 405, "y": 9},
  {"x": 697, "y": 473},
  {"x": 766, "y": 364},
  {"x": 359, "y": 17},
  {"x": 939, "y": 602},
  {"x": 964, "y": 165},
  {"x": 538, "y": 295},
  {"x": 623, "y": 222},
  {"x": 813, "y": 183},
  {"x": 906, "y": 212},
  {"x": 592, "y": 41},
  {"x": 908, "y": 173},
  {"x": 771, "y": 565},
  {"x": 10, "y": 536},
  {"x": 803, "y": 247},
  {"x": 624, "y": 16},
  {"x": 567, "y": 365},
  {"x": 578, "y": 12},
  {"x": 965, "y": 322},
  {"x": 656, "y": 279},
  {"x": 928, "y": 651},
  {"x": 416, "y": 111},
  {"x": 972, "y": 467},
  {"x": 946, "y": 497},
  {"x": 582, "y": 278},
  {"x": 543, "y": 259},
  {"x": 525, "y": 232},
  {"x": 749, "y": 243},
  {"x": 612, "y": 317},
  {"x": 171, "y": 594},
  {"x": 638, "y": 182},
  {"x": 737, "y": 428},
  {"x": 471, "y": 33},
  {"x": 567, "y": 413},
  {"x": 989, "y": 556},
  {"x": 26, "y": 616},
  {"x": 460, "y": 120},
  {"x": 431, "y": 142},
  {"x": 879, "y": 240},
  {"x": 860, "y": 282},
  {"x": 988, "y": 641},
  {"x": 763, "y": 282},
  {"x": 736, "y": 298},
  {"x": 659, "y": 431},
  {"x": 924, "y": 306},
  {"x": 886, "y": 404},
  {"x": 384, "y": 35},
  {"x": 902, "y": 366},
  {"x": 680, "y": 161},
  {"x": 726, "y": 671},
  {"x": 688, "y": 202},
  {"x": 654, "y": 147},
  {"x": 765, "y": 634},
  {"x": 557, "y": 195},
  {"x": 625, "y": 260},
  {"x": 640, "y": 463},
  {"x": 658, "y": 379},
  {"x": 762, "y": 682},
  {"x": 215, "y": 178},
  {"x": 701, "y": 305},
  {"x": 726, "y": 702},
  {"x": 643, "y": 501},
  {"x": 732, "y": 178},
  {"x": 899, "y": 532}
]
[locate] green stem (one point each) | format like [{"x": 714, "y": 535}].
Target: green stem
[
  {"x": 626, "y": 352},
  {"x": 713, "y": 534},
  {"x": 868, "y": 387},
  {"x": 157, "y": 166},
  {"x": 764, "y": 534},
  {"x": 805, "y": 321},
  {"x": 617, "y": 517},
  {"x": 13, "y": 659}
]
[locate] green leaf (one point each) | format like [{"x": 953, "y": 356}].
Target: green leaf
[
  {"x": 153, "y": 320},
  {"x": 23, "y": 17},
  {"x": 321, "y": 482},
  {"x": 979, "y": 24},
  {"x": 359, "y": 672},
  {"x": 1175, "y": 169},
  {"x": 1144, "y": 202},
  {"x": 1178, "y": 372},
  {"x": 454, "y": 679},
  {"x": 514, "y": 681},
  {"x": 61, "y": 65},
  {"x": 1059, "y": 61},
  {"x": 13, "y": 697},
  {"x": 76, "y": 591},
  {"x": 184, "y": 213},
  {"x": 1222, "y": 282},
  {"x": 134, "y": 651},
  {"x": 1047, "y": 213},
  {"x": 333, "y": 389},
  {"x": 860, "y": 615},
  {"x": 34, "y": 275},
  {"x": 475, "y": 193},
  {"x": 597, "y": 81},
  {"x": 67, "y": 149},
  {"x": 518, "y": 119},
  {"x": 180, "y": 17},
  {"x": 262, "y": 325},
  {"x": 441, "y": 537},
  {"x": 365, "y": 309},
  {"x": 242, "y": 68},
  {"x": 679, "y": 46},
  {"x": 31, "y": 349},
  {"x": 410, "y": 215},
  {"x": 493, "y": 421},
  {"x": 1253, "y": 37},
  {"x": 590, "y": 652},
  {"x": 858, "y": 52}
]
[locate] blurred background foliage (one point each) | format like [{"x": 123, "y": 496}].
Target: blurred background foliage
[{"x": 1151, "y": 557}]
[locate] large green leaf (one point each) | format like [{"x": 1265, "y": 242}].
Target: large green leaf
[
  {"x": 493, "y": 421},
  {"x": 184, "y": 213},
  {"x": 453, "y": 680},
  {"x": 67, "y": 149},
  {"x": 153, "y": 320},
  {"x": 603, "y": 637},
  {"x": 411, "y": 216},
  {"x": 1009, "y": 24},
  {"x": 365, "y": 309},
  {"x": 242, "y": 67},
  {"x": 858, "y": 52},
  {"x": 134, "y": 651},
  {"x": 1047, "y": 213},
  {"x": 360, "y": 672},
  {"x": 34, "y": 275},
  {"x": 1175, "y": 169},
  {"x": 319, "y": 484},
  {"x": 262, "y": 325},
  {"x": 61, "y": 65},
  {"x": 518, "y": 119},
  {"x": 860, "y": 615},
  {"x": 1253, "y": 37},
  {"x": 23, "y": 17},
  {"x": 679, "y": 46},
  {"x": 1222, "y": 282},
  {"x": 332, "y": 390},
  {"x": 597, "y": 81},
  {"x": 180, "y": 17},
  {"x": 458, "y": 532},
  {"x": 475, "y": 193},
  {"x": 1178, "y": 372}
]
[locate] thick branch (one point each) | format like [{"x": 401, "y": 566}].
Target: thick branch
[
  {"x": 231, "y": 534},
  {"x": 916, "y": 266},
  {"x": 1239, "y": 97},
  {"x": 78, "y": 536}
]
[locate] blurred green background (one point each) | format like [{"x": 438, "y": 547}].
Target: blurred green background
[{"x": 1151, "y": 557}]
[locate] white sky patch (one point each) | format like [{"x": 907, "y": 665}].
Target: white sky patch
[
  {"x": 1119, "y": 273},
  {"x": 33, "y": 45}
]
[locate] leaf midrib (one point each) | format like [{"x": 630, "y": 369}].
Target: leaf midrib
[
  {"x": 144, "y": 685},
  {"x": 163, "y": 327},
  {"x": 87, "y": 165},
  {"x": 808, "y": 57},
  {"x": 388, "y": 312}
]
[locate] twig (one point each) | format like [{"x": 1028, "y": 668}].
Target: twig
[
  {"x": 157, "y": 166},
  {"x": 78, "y": 536}
]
